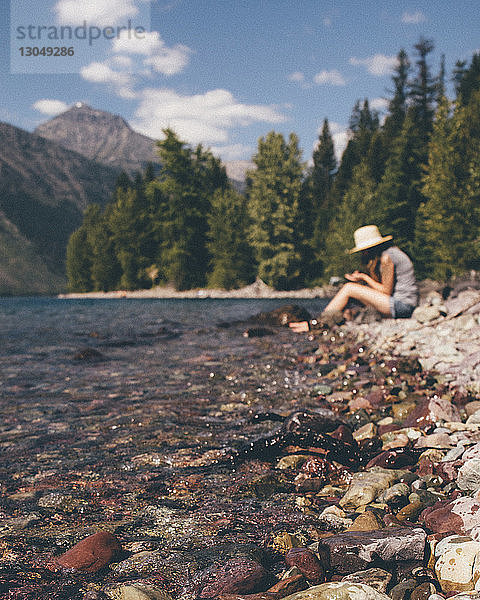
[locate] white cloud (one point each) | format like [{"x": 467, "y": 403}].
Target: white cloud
[
  {"x": 50, "y": 107},
  {"x": 98, "y": 72},
  {"x": 202, "y": 118},
  {"x": 147, "y": 43},
  {"x": 296, "y": 76},
  {"x": 95, "y": 12},
  {"x": 327, "y": 21},
  {"x": 333, "y": 77},
  {"x": 233, "y": 152},
  {"x": 379, "y": 104},
  {"x": 159, "y": 57},
  {"x": 413, "y": 18},
  {"x": 377, "y": 65},
  {"x": 169, "y": 61},
  {"x": 122, "y": 62}
]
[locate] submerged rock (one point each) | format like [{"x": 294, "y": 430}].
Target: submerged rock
[
  {"x": 238, "y": 575},
  {"x": 91, "y": 554}
]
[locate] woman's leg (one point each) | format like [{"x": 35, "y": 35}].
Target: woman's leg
[{"x": 365, "y": 294}]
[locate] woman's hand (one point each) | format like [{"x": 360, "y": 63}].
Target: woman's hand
[
  {"x": 356, "y": 276},
  {"x": 299, "y": 326}
]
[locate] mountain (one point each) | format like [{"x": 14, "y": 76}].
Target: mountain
[
  {"x": 100, "y": 136},
  {"x": 47, "y": 179},
  {"x": 109, "y": 139},
  {"x": 22, "y": 270},
  {"x": 44, "y": 189}
]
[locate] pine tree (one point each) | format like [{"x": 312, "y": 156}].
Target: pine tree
[
  {"x": 232, "y": 257},
  {"x": 448, "y": 222},
  {"x": 423, "y": 90},
  {"x": 274, "y": 194},
  {"x": 363, "y": 124},
  {"x": 397, "y": 107},
  {"x": 467, "y": 80},
  {"x": 358, "y": 208},
  {"x": 79, "y": 262},
  {"x": 125, "y": 222},
  {"x": 399, "y": 192},
  {"x": 105, "y": 269},
  {"x": 186, "y": 184},
  {"x": 316, "y": 209}
]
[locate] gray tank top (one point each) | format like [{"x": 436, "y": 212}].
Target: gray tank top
[{"x": 405, "y": 286}]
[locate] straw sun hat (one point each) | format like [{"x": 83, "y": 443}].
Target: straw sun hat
[{"x": 368, "y": 237}]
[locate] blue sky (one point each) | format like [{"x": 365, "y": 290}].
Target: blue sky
[{"x": 222, "y": 72}]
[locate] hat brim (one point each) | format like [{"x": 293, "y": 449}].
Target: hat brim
[{"x": 381, "y": 241}]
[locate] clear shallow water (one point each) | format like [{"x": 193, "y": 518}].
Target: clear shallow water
[{"x": 27, "y": 324}]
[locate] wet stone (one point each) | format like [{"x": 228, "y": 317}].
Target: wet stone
[
  {"x": 137, "y": 591},
  {"x": 354, "y": 551},
  {"x": 91, "y": 554},
  {"x": 308, "y": 563},
  {"x": 378, "y": 579},
  {"x": 366, "y": 521},
  {"x": 403, "y": 590},
  {"x": 457, "y": 564},
  {"x": 141, "y": 563},
  {"x": 238, "y": 575},
  {"x": 469, "y": 475},
  {"x": 367, "y": 485},
  {"x": 342, "y": 590},
  {"x": 461, "y": 516}
]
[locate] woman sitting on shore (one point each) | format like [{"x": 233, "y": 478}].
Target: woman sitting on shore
[{"x": 389, "y": 286}]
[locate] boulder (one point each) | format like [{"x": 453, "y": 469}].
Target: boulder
[{"x": 354, "y": 551}]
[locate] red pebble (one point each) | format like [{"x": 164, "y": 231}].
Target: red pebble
[
  {"x": 307, "y": 563},
  {"x": 91, "y": 554}
]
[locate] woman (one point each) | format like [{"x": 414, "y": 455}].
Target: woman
[{"x": 389, "y": 286}]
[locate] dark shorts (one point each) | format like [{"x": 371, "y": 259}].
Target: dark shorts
[{"x": 400, "y": 310}]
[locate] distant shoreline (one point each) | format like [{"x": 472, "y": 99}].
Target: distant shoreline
[{"x": 258, "y": 289}]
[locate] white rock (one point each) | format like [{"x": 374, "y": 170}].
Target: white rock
[
  {"x": 469, "y": 475},
  {"x": 458, "y": 568}
]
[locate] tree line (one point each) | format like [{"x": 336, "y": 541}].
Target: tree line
[{"x": 416, "y": 175}]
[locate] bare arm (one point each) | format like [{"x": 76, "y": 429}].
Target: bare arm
[{"x": 387, "y": 272}]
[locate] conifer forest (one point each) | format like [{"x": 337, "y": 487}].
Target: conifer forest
[{"x": 415, "y": 174}]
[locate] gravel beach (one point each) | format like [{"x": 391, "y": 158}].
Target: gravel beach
[{"x": 242, "y": 461}]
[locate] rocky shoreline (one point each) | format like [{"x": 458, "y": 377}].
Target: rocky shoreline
[
  {"x": 443, "y": 333},
  {"x": 258, "y": 289},
  {"x": 339, "y": 465}
]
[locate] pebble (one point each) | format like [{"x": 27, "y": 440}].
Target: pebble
[
  {"x": 408, "y": 450},
  {"x": 91, "y": 554},
  {"x": 354, "y": 551},
  {"x": 458, "y": 564},
  {"x": 367, "y": 485},
  {"x": 469, "y": 475},
  {"x": 376, "y": 578},
  {"x": 238, "y": 575},
  {"x": 461, "y": 516},
  {"x": 308, "y": 564},
  {"x": 137, "y": 591},
  {"x": 343, "y": 590},
  {"x": 366, "y": 521}
]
